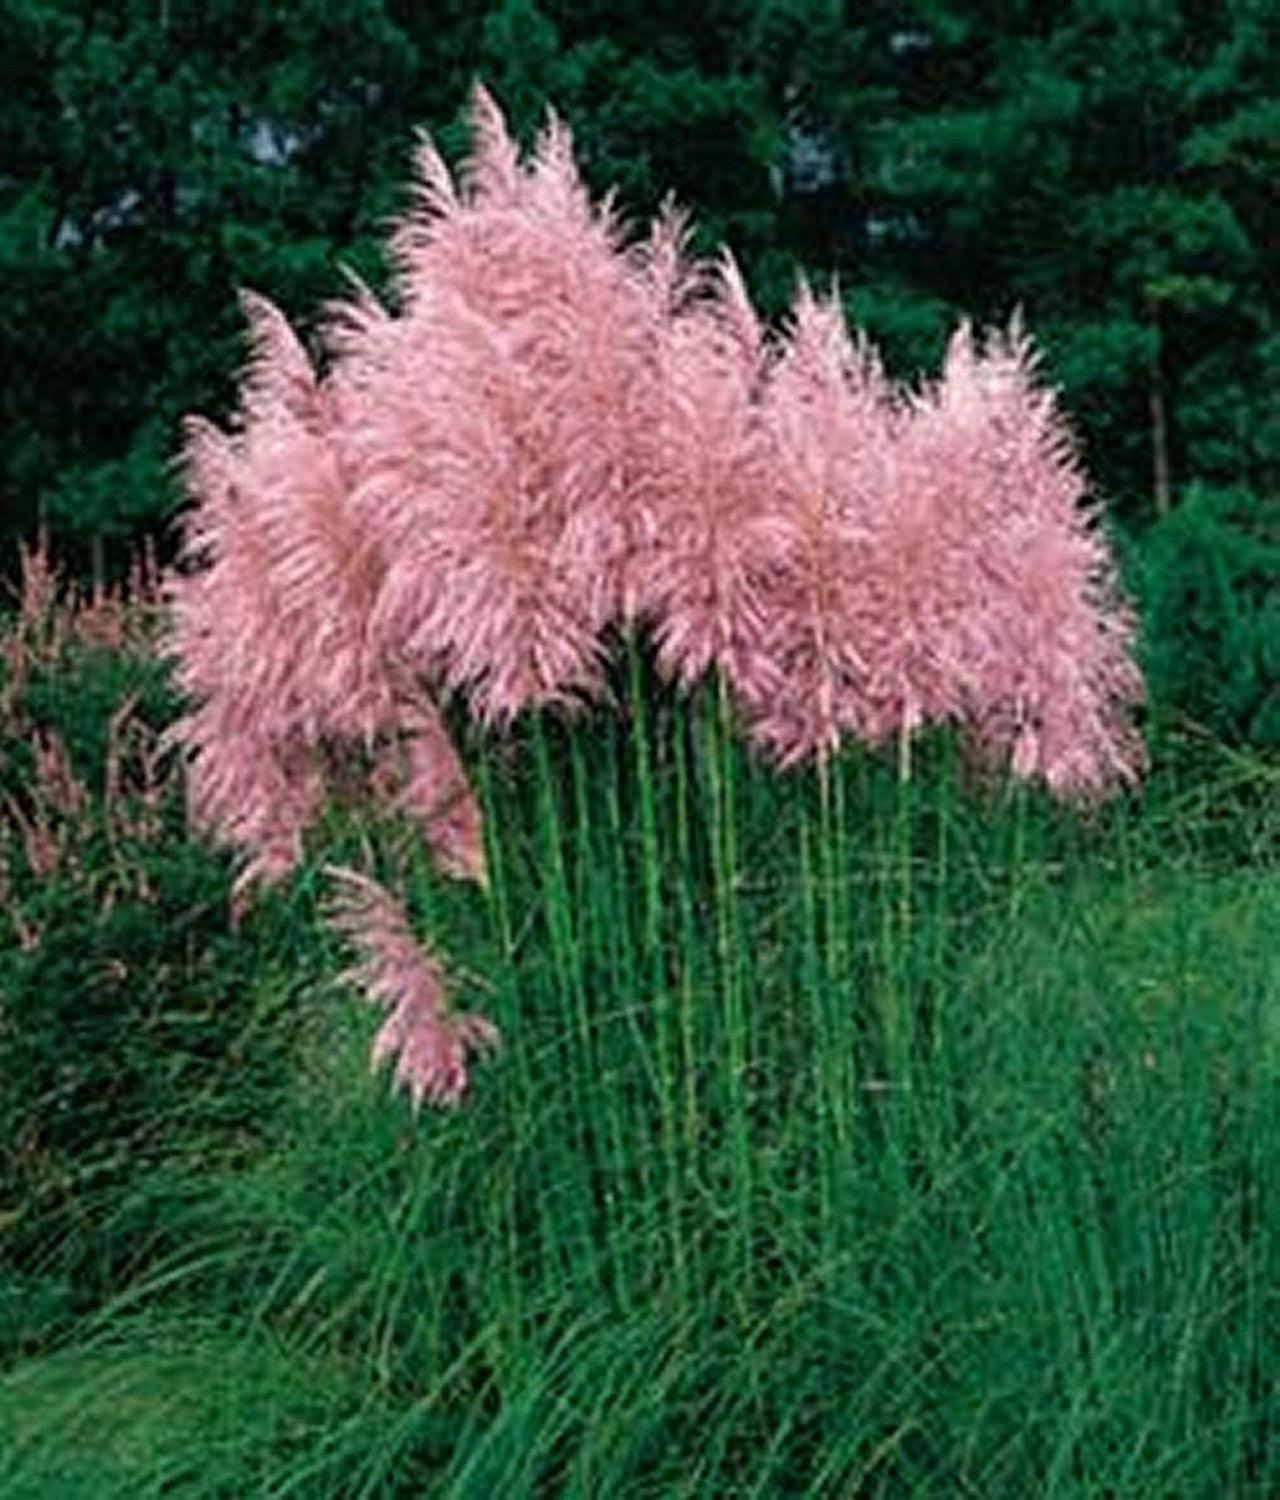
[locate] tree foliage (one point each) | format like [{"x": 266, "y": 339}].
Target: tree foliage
[{"x": 1107, "y": 165}]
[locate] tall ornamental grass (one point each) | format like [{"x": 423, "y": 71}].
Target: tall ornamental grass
[
  {"x": 701, "y": 1231},
  {"x": 560, "y": 444}
]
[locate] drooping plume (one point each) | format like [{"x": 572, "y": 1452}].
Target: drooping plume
[
  {"x": 240, "y": 632},
  {"x": 269, "y": 627},
  {"x": 418, "y": 773},
  {"x": 429, "y": 1042}
]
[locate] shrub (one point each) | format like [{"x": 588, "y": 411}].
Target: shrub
[{"x": 122, "y": 986}]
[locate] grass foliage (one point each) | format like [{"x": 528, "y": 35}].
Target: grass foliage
[{"x": 902, "y": 1136}]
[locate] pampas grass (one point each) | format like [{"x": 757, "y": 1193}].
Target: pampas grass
[
  {"x": 558, "y": 435},
  {"x": 706, "y": 1225}
]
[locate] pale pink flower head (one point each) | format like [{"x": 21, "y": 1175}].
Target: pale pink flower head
[
  {"x": 429, "y": 1042},
  {"x": 277, "y": 613},
  {"x": 828, "y": 418},
  {"x": 240, "y": 630},
  {"x": 935, "y": 564},
  {"x": 706, "y": 527},
  {"x": 1050, "y": 671},
  {"x": 493, "y": 425},
  {"x": 269, "y": 625}
]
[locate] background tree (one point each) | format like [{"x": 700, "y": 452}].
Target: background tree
[
  {"x": 1109, "y": 165},
  {"x": 153, "y": 159},
  {"x": 1099, "y": 163}
]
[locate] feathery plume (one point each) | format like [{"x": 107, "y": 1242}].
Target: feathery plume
[
  {"x": 429, "y": 1043},
  {"x": 1051, "y": 679},
  {"x": 494, "y": 426},
  {"x": 830, "y": 424},
  {"x": 279, "y": 376},
  {"x": 707, "y": 528},
  {"x": 270, "y": 633}
]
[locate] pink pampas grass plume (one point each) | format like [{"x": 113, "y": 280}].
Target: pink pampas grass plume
[
  {"x": 1051, "y": 674},
  {"x": 269, "y": 626},
  {"x": 249, "y": 779},
  {"x": 258, "y": 633},
  {"x": 430, "y": 1043},
  {"x": 491, "y": 424},
  {"x": 706, "y": 526},
  {"x": 830, "y": 423},
  {"x": 934, "y": 562}
]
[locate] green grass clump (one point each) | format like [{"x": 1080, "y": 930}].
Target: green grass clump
[
  {"x": 141, "y": 1037},
  {"x": 901, "y": 1138}
]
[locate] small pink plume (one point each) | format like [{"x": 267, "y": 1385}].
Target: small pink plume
[
  {"x": 430, "y": 1044},
  {"x": 420, "y": 774}
]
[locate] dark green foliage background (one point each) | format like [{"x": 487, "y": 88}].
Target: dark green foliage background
[
  {"x": 1210, "y": 584},
  {"x": 1109, "y": 165}
]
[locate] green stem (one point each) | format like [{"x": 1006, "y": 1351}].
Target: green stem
[
  {"x": 724, "y": 859},
  {"x": 836, "y": 1066},
  {"x": 898, "y": 1019},
  {"x": 571, "y": 984},
  {"x": 648, "y": 816},
  {"x": 1018, "y": 857},
  {"x": 689, "y": 947},
  {"x": 659, "y": 998},
  {"x": 499, "y": 905},
  {"x": 811, "y": 971},
  {"x": 942, "y": 902}
]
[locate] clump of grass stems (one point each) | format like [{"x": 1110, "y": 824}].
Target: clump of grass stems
[{"x": 709, "y": 1227}]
